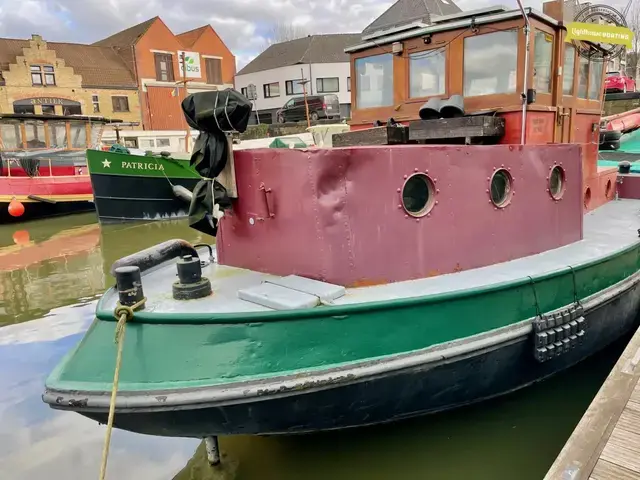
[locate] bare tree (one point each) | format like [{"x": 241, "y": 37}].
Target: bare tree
[{"x": 283, "y": 32}]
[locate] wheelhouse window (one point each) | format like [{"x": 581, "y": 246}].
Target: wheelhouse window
[
  {"x": 427, "y": 73},
  {"x": 595, "y": 79},
  {"x": 583, "y": 76},
  {"x": 271, "y": 90},
  {"x": 568, "y": 69},
  {"x": 542, "y": 61},
  {"x": 35, "y": 134},
  {"x": 328, "y": 85},
  {"x": 244, "y": 91},
  {"x": 120, "y": 104},
  {"x": 490, "y": 63},
  {"x": 374, "y": 87},
  {"x": 48, "y": 109},
  {"x": 164, "y": 67},
  {"x": 78, "y": 135},
  {"x": 163, "y": 142},
  {"x": 294, "y": 87},
  {"x": 42, "y": 75},
  {"x": 214, "y": 70},
  {"x": 10, "y": 137},
  {"x": 57, "y": 134}
]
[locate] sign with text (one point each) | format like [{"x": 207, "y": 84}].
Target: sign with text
[
  {"x": 599, "y": 32},
  {"x": 192, "y": 62},
  {"x": 592, "y": 32}
]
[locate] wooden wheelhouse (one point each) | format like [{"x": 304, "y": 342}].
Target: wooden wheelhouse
[{"x": 486, "y": 57}]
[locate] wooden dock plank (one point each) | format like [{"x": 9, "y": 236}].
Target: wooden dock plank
[
  {"x": 607, "y": 438},
  {"x": 623, "y": 449},
  {"x": 605, "y": 470},
  {"x": 632, "y": 405},
  {"x": 629, "y": 420}
]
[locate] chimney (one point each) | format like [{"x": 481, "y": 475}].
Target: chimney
[{"x": 554, "y": 9}]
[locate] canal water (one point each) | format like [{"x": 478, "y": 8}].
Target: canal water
[{"x": 53, "y": 271}]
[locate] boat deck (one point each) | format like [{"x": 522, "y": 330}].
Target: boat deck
[
  {"x": 606, "y": 443},
  {"x": 607, "y": 230}
]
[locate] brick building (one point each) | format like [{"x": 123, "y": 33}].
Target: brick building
[
  {"x": 65, "y": 78},
  {"x": 134, "y": 75}
]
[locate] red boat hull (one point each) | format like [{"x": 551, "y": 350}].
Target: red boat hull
[{"x": 45, "y": 196}]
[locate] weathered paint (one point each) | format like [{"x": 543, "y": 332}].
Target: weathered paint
[
  {"x": 213, "y": 350},
  {"x": 629, "y": 186},
  {"x": 602, "y": 188},
  {"x": 344, "y": 205}
]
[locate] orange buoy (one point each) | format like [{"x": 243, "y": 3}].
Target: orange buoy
[
  {"x": 16, "y": 208},
  {"x": 21, "y": 237}
]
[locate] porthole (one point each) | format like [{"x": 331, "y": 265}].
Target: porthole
[
  {"x": 501, "y": 188},
  {"x": 418, "y": 195},
  {"x": 587, "y": 197},
  {"x": 556, "y": 183}
]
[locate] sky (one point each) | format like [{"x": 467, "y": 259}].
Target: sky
[{"x": 244, "y": 25}]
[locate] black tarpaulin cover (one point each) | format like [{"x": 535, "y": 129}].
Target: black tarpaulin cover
[{"x": 215, "y": 114}]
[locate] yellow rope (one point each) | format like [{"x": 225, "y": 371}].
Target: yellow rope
[{"x": 123, "y": 313}]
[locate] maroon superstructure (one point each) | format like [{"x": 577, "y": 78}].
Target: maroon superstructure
[{"x": 328, "y": 214}]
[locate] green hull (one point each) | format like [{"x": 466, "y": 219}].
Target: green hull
[
  {"x": 133, "y": 188},
  {"x": 179, "y": 350}
]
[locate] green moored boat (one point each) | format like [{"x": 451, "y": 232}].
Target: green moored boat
[
  {"x": 367, "y": 283},
  {"x": 130, "y": 187}
]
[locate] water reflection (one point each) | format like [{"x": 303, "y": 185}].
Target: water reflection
[
  {"x": 50, "y": 263},
  {"x": 37, "y": 442},
  {"x": 47, "y": 265}
]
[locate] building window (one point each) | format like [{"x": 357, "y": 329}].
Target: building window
[
  {"x": 542, "y": 61},
  {"x": 595, "y": 80},
  {"x": 294, "y": 87},
  {"x": 147, "y": 143},
  {"x": 568, "y": 69},
  {"x": 427, "y": 73},
  {"x": 24, "y": 109},
  {"x": 95, "y": 100},
  {"x": 348, "y": 84},
  {"x": 271, "y": 90},
  {"x": 374, "y": 85},
  {"x": 163, "y": 142},
  {"x": 214, "y": 70},
  {"x": 490, "y": 63},
  {"x": 42, "y": 75},
  {"x": 583, "y": 76},
  {"x": 120, "y": 104},
  {"x": 328, "y": 85},
  {"x": 72, "y": 110},
  {"x": 48, "y": 109},
  {"x": 164, "y": 67}
]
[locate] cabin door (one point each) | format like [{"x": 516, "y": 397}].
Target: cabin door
[{"x": 564, "y": 118}]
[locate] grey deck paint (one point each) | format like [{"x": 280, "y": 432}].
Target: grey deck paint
[{"x": 607, "y": 230}]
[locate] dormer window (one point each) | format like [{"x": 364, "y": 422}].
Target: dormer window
[{"x": 42, "y": 75}]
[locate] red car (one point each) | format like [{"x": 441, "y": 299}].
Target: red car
[{"x": 619, "y": 82}]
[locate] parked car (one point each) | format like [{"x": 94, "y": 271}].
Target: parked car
[
  {"x": 619, "y": 82},
  {"x": 320, "y": 106}
]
